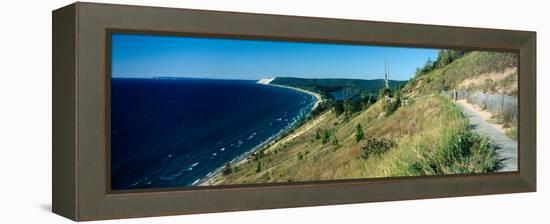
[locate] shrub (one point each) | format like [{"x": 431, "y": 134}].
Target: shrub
[
  {"x": 354, "y": 105},
  {"x": 507, "y": 117},
  {"x": 326, "y": 136},
  {"x": 258, "y": 155},
  {"x": 227, "y": 169},
  {"x": 512, "y": 133},
  {"x": 358, "y": 133},
  {"x": 322, "y": 107},
  {"x": 383, "y": 93},
  {"x": 483, "y": 105},
  {"x": 503, "y": 118},
  {"x": 335, "y": 141},
  {"x": 392, "y": 106},
  {"x": 338, "y": 107},
  {"x": 376, "y": 147}
]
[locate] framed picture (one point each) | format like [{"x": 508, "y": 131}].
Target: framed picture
[{"x": 202, "y": 111}]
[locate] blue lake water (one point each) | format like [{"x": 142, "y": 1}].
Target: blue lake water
[{"x": 173, "y": 133}]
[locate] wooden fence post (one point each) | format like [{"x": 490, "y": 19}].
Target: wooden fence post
[
  {"x": 454, "y": 95},
  {"x": 501, "y": 101}
]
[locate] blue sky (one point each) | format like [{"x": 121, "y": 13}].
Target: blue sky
[{"x": 144, "y": 56}]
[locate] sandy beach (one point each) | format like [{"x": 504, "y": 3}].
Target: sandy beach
[
  {"x": 217, "y": 177},
  {"x": 316, "y": 95},
  {"x": 319, "y": 99}
]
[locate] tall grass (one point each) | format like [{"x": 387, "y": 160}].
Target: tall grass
[{"x": 447, "y": 147}]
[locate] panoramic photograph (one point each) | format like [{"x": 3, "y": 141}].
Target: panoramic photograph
[{"x": 197, "y": 111}]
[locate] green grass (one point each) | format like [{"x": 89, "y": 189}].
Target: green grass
[{"x": 448, "y": 147}]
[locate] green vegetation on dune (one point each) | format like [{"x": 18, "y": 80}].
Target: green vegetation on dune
[
  {"x": 408, "y": 130},
  {"x": 428, "y": 137}
]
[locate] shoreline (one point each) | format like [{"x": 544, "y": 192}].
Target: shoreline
[
  {"x": 217, "y": 173},
  {"x": 318, "y": 98}
]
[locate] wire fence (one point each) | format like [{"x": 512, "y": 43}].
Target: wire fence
[{"x": 495, "y": 103}]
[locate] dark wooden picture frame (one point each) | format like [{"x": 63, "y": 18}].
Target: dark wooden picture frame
[{"x": 81, "y": 111}]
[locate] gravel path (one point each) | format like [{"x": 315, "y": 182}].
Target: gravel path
[{"x": 507, "y": 148}]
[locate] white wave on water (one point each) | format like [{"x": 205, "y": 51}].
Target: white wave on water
[
  {"x": 174, "y": 175},
  {"x": 240, "y": 143},
  {"x": 196, "y": 181},
  {"x": 252, "y": 136},
  {"x": 192, "y": 166}
]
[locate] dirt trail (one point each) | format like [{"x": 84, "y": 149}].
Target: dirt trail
[{"x": 507, "y": 148}]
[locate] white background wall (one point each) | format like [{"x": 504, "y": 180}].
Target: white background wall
[{"x": 25, "y": 111}]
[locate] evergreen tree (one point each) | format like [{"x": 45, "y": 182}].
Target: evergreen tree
[
  {"x": 258, "y": 167},
  {"x": 227, "y": 169},
  {"x": 326, "y": 136},
  {"x": 335, "y": 141},
  {"x": 358, "y": 133}
]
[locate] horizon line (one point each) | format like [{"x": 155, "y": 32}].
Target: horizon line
[{"x": 236, "y": 79}]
